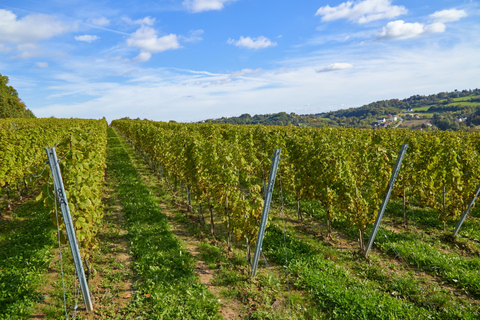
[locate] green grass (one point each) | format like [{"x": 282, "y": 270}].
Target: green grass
[
  {"x": 421, "y": 108},
  {"x": 458, "y": 270},
  {"x": 465, "y": 98},
  {"x": 25, "y": 254},
  {"x": 338, "y": 293},
  {"x": 464, "y": 104},
  {"x": 349, "y": 286}
]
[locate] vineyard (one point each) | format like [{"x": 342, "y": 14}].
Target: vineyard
[
  {"x": 329, "y": 187},
  {"x": 346, "y": 170}
]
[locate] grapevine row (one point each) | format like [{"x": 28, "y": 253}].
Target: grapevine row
[
  {"x": 81, "y": 146},
  {"x": 347, "y": 170}
]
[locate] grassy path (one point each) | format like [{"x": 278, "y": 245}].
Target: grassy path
[{"x": 166, "y": 286}]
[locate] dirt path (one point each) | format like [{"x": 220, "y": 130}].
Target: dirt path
[{"x": 112, "y": 283}]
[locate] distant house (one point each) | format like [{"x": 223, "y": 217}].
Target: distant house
[
  {"x": 462, "y": 119},
  {"x": 393, "y": 118},
  {"x": 381, "y": 120},
  {"x": 409, "y": 109},
  {"x": 378, "y": 124},
  {"x": 408, "y": 116}
]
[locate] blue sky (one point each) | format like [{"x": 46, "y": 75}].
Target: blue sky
[{"x": 189, "y": 60}]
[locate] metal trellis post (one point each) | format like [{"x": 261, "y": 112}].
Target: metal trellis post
[
  {"x": 464, "y": 215},
  {"x": 62, "y": 199},
  {"x": 266, "y": 207},
  {"x": 395, "y": 172}
]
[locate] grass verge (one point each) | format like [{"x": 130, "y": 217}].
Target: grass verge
[{"x": 27, "y": 237}]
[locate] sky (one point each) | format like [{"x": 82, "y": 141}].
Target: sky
[{"x": 191, "y": 60}]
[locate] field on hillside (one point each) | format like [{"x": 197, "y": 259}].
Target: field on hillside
[{"x": 414, "y": 123}]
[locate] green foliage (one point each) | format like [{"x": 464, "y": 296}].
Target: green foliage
[
  {"x": 11, "y": 106},
  {"x": 347, "y": 170},
  {"x": 81, "y": 147}
]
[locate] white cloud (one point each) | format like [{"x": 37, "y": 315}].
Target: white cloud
[
  {"x": 147, "y": 41},
  {"x": 436, "y": 27},
  {"x": 252, "y": 43},
  {"x": 87, "y": 38},
  {"x": 192, "y": 95},
  {"x": 143, "y": 56},
  {"x": 30, "y": 28},
  {"x": 101, "y": 22},
  {"x": 42, "y": 64},
  {"x": 450, "y": 15},
  {"x": 336, "y": 66},
  {"x": 145, "y": 21},
  {"x": 196, "y": 6},
  {"x": 399, "y": 30},
  {"x": 361, "y": 11}
]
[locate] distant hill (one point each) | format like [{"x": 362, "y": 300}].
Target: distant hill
[
  {"x": 11, "y": 106},
  {"x": 276, "y": 119},
  {"x": 457, "y": 110}
]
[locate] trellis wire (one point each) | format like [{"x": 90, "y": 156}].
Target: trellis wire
[{"x": 59, "y": 250}]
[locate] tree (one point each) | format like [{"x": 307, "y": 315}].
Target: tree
[{"x": 11, "y": 106}]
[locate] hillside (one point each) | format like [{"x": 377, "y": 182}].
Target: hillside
[
  {"x": 457, "y": 110},
  {"x": 276, "y": 119}
]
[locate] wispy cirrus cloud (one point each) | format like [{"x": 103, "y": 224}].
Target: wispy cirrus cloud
[
  {"x": 361, "y": 11},
  {"x": 193, "y": 36},
  {"x": 252, "y": 43},
  {"x": 335, "y": 67}
]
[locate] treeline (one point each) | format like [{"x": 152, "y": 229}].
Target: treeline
[
  {"x": 276, "y": 119},
  {"x": 11, "y": 106},
  {"x": 363, "y": 116}
]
